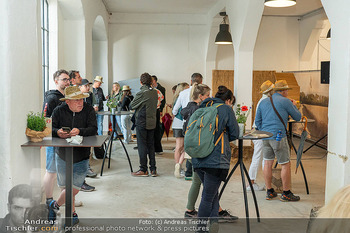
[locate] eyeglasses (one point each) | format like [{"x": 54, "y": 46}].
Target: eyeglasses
[{"x": 64, "y": 79}]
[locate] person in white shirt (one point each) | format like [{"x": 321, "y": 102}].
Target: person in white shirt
[
  {"x": 267, "y": 90},
  {"x": 179, "y": 103}
]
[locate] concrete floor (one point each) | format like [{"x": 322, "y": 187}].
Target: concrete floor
[
  {"x": 121, "y": 200},
  {"x": 122, "y": 196}
]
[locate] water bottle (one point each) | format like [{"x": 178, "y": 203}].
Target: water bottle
[{"x": 279, "y": 136}]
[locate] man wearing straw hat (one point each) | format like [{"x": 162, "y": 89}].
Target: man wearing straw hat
[
  {"x": 266, "y": 89},
  {"x": 100, "y": 97},
  {"x": 81, "y": 119},
  {"x": 273, "y": 121}
]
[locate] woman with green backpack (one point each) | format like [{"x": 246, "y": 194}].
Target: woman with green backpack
[{"x": 213, "y": 168}]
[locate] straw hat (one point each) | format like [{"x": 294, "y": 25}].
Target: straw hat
[
  {"x": 126, "y": 88},
  {"x": 73, "y": 93},
  {"x": 98, "y": 79},
  {"x": 266, "y": 87},
  {"x": 281, "y": 85}
]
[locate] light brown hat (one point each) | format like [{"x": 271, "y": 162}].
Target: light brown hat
[
  {"x": 126, "y": 88},
  {"x": 98, "y": 79},
  {"x": 266, "y": 87},
  {"x": 281, "y": 85},
  {"x": 74, "y": 93}
]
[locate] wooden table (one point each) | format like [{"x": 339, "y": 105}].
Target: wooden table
[
  {"x": 91, "y": 141},
  {"x": 250, "y": 135}
]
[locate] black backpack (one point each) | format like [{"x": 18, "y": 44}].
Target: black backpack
[{"x": 100, "y": 151}]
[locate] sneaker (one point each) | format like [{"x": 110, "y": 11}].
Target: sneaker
[
  {"x": 75, "y": 219},
  {"x": 140, "y": 173},
  {"x": 191, "y": 214},
  {"x": 289, "y": 197},
  {"x": 159, "y": 153},
  {"x": 87, "y": 188},
  {"x": 225, "y": 216},
  {"x": 256, "y": 187},
  {"x": 154, "y": 173},
  {"x": 177, "y": 172},
  {"x": 135, "y": 148},
  {"x": 270, "y": 195},
  {"x": 90, "y": 173},
  {"x": 188, "y": 177},
  {"x": 53, "y": 209},
  {"x": 182, "y": 173}
]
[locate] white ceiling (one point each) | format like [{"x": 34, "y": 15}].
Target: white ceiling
[
  {"x": 198, "y": 7},
  {"x": 160, "y": 6}
]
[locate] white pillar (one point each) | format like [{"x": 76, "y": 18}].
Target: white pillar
[
  {"x": 243, "y": 80},
  {"x": 20, "y": 90},
  {"x": 245, "y": 17},
  {"x": 338, "y": 164}
]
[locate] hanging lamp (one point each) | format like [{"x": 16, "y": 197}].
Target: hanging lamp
[
  {"x": 280, "y": 3},
  {"x": 224, "y": 36}
]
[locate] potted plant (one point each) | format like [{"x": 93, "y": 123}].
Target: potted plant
[
  {"x": 242, "y": 113},
  {"x": 112, "y": 103},
  {"x": 36, "y": 127}
]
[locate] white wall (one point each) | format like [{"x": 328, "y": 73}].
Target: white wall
[
  {"x": 171, "y": 52},
  {"x": 276, "y": 48},
  {"x": 74, "y": 46},
  {"x": 21, "y": 91},
  {"x": 225, "y": 57},
  {"x": 277, "y": 45},
  {"x": 100, "y": 60}
]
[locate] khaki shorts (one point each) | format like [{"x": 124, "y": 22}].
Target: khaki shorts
[{"x": 280, "y": 150}]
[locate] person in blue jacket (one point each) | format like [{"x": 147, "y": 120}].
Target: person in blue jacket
[
  {"x": 213, "y": 169},
  {"x": 266, "y": 119}
]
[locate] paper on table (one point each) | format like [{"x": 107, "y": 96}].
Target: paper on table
[{"x": 75, "y": 140}]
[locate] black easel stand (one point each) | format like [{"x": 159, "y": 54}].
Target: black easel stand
[
  {"x": 243, "y": 172},
  {"x": 109, "y": 147}
]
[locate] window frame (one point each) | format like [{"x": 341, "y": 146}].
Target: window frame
[{"x": 45, "y": 44}]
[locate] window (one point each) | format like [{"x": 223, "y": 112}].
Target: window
[{"x": 45, "y": 43}]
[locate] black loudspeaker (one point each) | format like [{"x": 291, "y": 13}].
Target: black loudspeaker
[{"x": 325, "y": 72}]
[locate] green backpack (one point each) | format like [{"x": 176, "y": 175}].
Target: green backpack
[{"x": 200, "y": 132}]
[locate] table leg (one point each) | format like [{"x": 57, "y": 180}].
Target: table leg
[
  {"x": 253, "y": 193},
  {"x": 315, "y": 143},
  {"x": 240, "y": 158},
  {"x": 227, "y": 179},
  {"x": 105, "y": 155},
  {"x": 126, "y": 152},
  {"x": 69, "y": 187}
]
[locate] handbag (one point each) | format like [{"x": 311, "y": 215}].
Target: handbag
[{"x": 100, "y": 151}]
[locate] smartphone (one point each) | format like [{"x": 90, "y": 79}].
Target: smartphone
[{"x": 66, "y": 129}]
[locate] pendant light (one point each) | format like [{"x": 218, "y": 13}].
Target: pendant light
[
  {"x": 280, "y": 3},
  {"x": 224, "y": 36}
]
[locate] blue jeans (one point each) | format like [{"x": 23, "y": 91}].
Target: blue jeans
[
  {"x": 209, "y": 206},
  {"x": 50, "y": 160},
  {"x": 126, "y": 127},
  {"x": 117, "y": 127},
  {"x": 99, "y": 119},
  {"x": 79, "y": 172}
]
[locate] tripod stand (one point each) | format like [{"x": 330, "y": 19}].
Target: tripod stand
[
  {"x": 110, "y": 141},
  {"x": 253, "y": 136}
]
